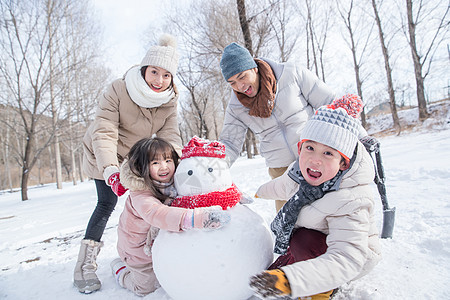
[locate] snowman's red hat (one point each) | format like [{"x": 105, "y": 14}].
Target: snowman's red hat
[{"x": 201, "y": 147}]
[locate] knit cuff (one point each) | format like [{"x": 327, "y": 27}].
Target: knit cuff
[{"x": 109, "y": 171}]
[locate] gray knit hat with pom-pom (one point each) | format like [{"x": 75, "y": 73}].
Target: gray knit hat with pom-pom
[{"x": 163, "y": 55}]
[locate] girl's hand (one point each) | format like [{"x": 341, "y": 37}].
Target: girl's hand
[
  {"x": 214, "y": 217},
  {"x": 206, "y": 218}
]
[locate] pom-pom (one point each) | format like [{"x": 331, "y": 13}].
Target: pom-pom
[
  {"x": 351, "y": 103},
  {"x": 167, "y": 40}
]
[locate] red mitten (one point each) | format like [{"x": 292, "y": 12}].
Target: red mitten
[{"x": 116, "y": 186}]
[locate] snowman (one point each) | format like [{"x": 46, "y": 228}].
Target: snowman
[{"x": 211, "y": 264}]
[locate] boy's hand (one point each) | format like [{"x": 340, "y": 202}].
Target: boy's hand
[{"x": 271, "y": 284}]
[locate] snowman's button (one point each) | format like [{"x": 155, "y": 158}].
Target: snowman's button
[{"x": 190, "y": 172}]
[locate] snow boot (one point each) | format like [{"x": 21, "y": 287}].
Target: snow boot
[
  {"x": 117, "y": 267},
  {"x": 84, "y": 277}
]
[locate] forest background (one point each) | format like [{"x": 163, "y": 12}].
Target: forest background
[{"x": 394, "y": 53}]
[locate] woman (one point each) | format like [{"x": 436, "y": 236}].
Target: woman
[{"x": 141, "y": 104}]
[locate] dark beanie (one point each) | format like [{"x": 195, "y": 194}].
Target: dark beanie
[{"x": 235, "y": 59}]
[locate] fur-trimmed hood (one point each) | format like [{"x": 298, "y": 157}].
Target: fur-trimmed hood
[{"x": 130, "y": 180}]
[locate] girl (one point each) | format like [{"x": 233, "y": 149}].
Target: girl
[
  {"x": 142, "y": 103},
  {"x": 148, "y": 174}
]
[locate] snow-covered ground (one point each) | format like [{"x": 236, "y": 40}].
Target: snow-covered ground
[{"x": 39, "y": 238}]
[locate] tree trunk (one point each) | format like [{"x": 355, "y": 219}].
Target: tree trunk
[
  {"x": 52, "y": 97},
  {"x": 6, "y": 155},
  {"x": 244, "y": 25},
  {"x": 247, "y": 144},
  {"x": 388, "y": 71},
  {"x": 311, "y": 34},
  {"x": 25, "y": 167},
  {"x": 422, "y": 104},
  {"x": 248, "y": 44},
  {"x": 254, "y": 143},
  {"x": 80, "y": 170},
  {"x": 347, "y": 18},
  {"x": 58, "y": 164},
  {"x": 73, "y": 170},
  {"x": 358, "y": 80},
  {"x": 24, "y": 184}
]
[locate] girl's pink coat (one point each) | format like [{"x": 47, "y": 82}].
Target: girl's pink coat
[{"x": 143, "y": 213}]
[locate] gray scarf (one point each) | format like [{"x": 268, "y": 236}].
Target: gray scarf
[
  {"x": 167, "y": 189},
  {"x": 284, "y": 221}
]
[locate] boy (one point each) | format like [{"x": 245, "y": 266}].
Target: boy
[{"x": 325, "y": 233}]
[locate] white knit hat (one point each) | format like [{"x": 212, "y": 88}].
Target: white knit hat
[
  {"x": 333, "y": 127},
  {"x": 163, "y": 55}
]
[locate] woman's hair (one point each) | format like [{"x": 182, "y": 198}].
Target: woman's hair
[
  {"x": 143, "y": 152},
  {"x": 143, "y": 70}
]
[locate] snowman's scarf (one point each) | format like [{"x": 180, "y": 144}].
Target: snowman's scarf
[
  {"x": 228, "y": 198},
  {"x": 284, "y": 221}
]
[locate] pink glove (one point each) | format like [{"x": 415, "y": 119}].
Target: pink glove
[
  {"x": 212, "y": 217},
  {"x": 116, "y": 186}
]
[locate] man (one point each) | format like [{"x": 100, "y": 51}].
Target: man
[{"x": 274, "y": 100}]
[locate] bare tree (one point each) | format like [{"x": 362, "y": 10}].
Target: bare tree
[
  {"x": 318, "y": 19},
  {"x": 195, "y": 113},
  {"x": 203, "y": 30},
  {"x": 25, "y": 69},
  {"x": 358, "y": 52},
  {"x": 53, "y": 22},
  {"x": 32, "y": 70},
  {"x": 250, "y": 139},
  {"x": 83, "y": 84},
  {"x": 282, "y": 17},
  {"x": 424, "y": 56},
  {"x": 387, "y": 68},
  {"x": 321, "y": 37}
]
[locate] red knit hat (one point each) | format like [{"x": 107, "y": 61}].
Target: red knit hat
[
  {"x": 201, "y": 147},
  {"x": 351, "y": 103}
]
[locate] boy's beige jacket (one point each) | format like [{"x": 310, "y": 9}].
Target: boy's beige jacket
[
  {"x": 119, "y": 123},
  {"x": 347, "y": 217}
]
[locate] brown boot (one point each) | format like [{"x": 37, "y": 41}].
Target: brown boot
[{"x": 84, "y": 277}]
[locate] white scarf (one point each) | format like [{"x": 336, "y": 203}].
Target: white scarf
[{"x": 141, "y": 93}]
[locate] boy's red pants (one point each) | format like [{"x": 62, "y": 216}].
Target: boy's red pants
[{"x": 305, "y": 244}]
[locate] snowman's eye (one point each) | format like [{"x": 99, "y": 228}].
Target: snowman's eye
[
  {"x": 210, "y": 169},
  {"x": 190, "y": 172}
]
